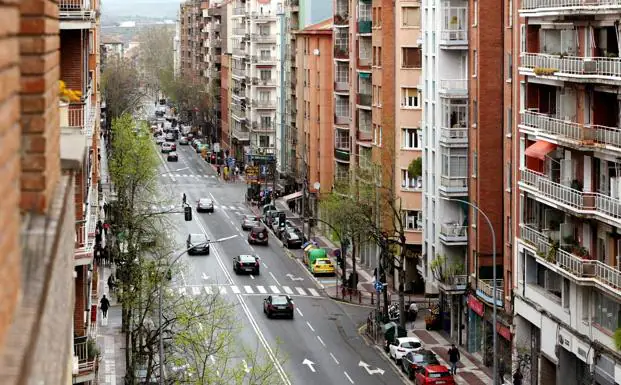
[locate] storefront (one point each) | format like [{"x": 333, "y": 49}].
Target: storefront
[
  {"x": 481, "y": 331},
  {"x": 476, "y": 312}
]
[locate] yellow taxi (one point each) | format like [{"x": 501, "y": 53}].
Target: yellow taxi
[{"x": 322, "y": 266}]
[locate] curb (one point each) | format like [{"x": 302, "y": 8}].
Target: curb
[
  {"x": 391, "y": 364},
  {"x": 341, "y": 300}
]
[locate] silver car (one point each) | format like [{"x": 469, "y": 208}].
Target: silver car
[{"x": 204, "y": 204}]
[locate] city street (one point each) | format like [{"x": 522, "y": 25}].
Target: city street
[{"x": 321, "y": 344}]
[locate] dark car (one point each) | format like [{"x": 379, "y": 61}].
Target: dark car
[
  {"x": 413, "y": 361},
  {"x": 246, "y": 263},
  {"x": 291, "y": 239},
  {"x": 197, "y": 244},
  {"x": 204, "y": 204},
  {"x": 249, "y": 221},
  {"x": 184, "y": 141},
  {"x": 278, "y": 305},
  {"x": 172, "y": 157},
  {"x": 271, "y": 216},
  {"x": 258, "y": 234}
]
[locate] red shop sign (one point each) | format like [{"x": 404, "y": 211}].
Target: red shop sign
[
  {"x": 503, "y": 331},
  {"x": 476, "y": 305}
]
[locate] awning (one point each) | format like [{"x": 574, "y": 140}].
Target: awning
[
  {"x": 540, "y": 149},
  {"x": 295, "y": 195}
]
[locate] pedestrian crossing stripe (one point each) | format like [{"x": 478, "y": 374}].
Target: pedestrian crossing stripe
[
  {"x": 208, "y": 290},
  {"x": 275, "y": 289},
  {"x": 313, "y": 292},
  {"x": 235, "y": 289},
  {"x": 300, "y": 291},
  {"x": 261, "y": 290},
  {"x": 182, "y": 290},
  {"x": 222, "y": 289},
  {"x": 287, "y": 289},
  {"x": 195, "y": 290},
  {"x": 248, "y": 290}
]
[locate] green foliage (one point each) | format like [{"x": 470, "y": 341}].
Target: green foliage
[
  {"x": 617, "y": 338},
  {"x": 120, "y": 84},
  {"x": 154, "y": 52},
  {"x": 442, "y": 269},
  {"x": 415, "y": 168}
]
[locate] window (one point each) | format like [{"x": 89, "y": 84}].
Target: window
[
  {"x": 606, "y": 311},
  {"x": 411, "y": 57},
  {"x": 264, "y": 96},
  {"x": 410, "y": 97},
  {"x": 475, "y": 112},
  {"x": 475, "y": 60},
  {"x": 265, "y": 54},
  {"x": 410, "y": 16},
  {"x": 341, "y": 139},
  {"x": 475, "y": 13},
  {"x": 475, "y": 161},
  {"x": 411, "y": 138},
  {"x": 407, "y": 182},
  {"x": 509, "y": 230},
  {"x": 379, "y": 56},
  {"x": 509, "y": 66},
  {"x": 522, "y": 38},
  {"x": 264, "y": 141},
  {"x": 342, "y": 106},
  {"x": 266, "y": 122},
  {"x": 413, "y": 220},
  {"x": 91, "y": 42},
  {"x": 508, "y": 172},
  {"x": 266, "y": 75},
  {"x": 342, "y": 72},
  {"x": 264, "y": 30}
]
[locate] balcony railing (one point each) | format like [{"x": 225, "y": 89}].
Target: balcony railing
[
  {"x": 364, "y": 100},
  {"x": 454, "y": 184},
  {"x": 239, "y": 92},
  {"x": 264, "y": 82},
  {"x": 586, "y": 270},
  {"x": 576, "y": 68},
  {"x": 263, "y": 59},
  {"x": 263, "y": 16},
  {"x": 241, "y": 72},
  {"x": 271, "y": 103},
  {"x": 215, "y": 43},
  {"x": 455, "y": 135},
  {"x": 583, "y": 203},
  {"x": 454, "y": 283},
  {"x": 238, "y": 111},
  {"x": 586, "y": 135},
  {"x": 364, "y": 26},
  {"x": 485, "y": 290},
  {"x": 340, "y": 119},
  {"x": 574, "y": 5},
  {"x": 87, "y": 360},
  {"x": 452, "y": 37},
  {"x": 240, "y": 31},
  {"x": 261, "y": 38},
  {"x": 341, "y": 19},
  {"x": 454, "y": 88},
  {"x": 453, "y": 233},
  {"x": 342, "y": 155},
  {"x": 260, "y": 127},
  {"x": 341, "y": 86},
  {"x": 76, "y": 9},
  {"x": 239, "y": 11},
  {"x": 341, "y": 52}
]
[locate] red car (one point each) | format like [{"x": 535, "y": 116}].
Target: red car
[{"x": 434, "y": 375}]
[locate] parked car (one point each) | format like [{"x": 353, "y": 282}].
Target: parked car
[
  {"x": 414, "y": 361},
  {"x": 172, "y": 157},
  {"x": 204, "y": 204},
  {"x": 184, "y": 141},
  {"x": 159, "y": 140},
  {"x": 170, "y": 137},
  {"x": 195, "y": 143},
  {"x": 402, "y": 346},
  {"x": 291, "y": 240},
  {"x": 249, "y": 221},
  {"x": 166, "y": 147},
  {"x": 434, "y": 375},
  {"x": 258, "y": 234},
  {"x": 276, "y": 305},
  {"x": 271, "y": 215},
  {"x": 247, "y": 264},
  {"x": 197, "y": 244}
]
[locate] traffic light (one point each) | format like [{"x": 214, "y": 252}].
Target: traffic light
[{"x": 187, "y": 210}]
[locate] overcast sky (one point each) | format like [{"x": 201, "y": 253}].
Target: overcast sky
[{"x": 149, "y": 8}]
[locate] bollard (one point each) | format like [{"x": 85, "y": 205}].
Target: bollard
[
  {"x": 372, "y": 298},
  {"x": 359, "y": 297}
]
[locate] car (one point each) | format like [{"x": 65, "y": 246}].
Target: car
[
  {"x": 157, "y": 133},
  {"x": 413, "y": 361},
  {"x": 197, "y": 244},
  {"x": 271, "y": 216},
  {"x": 159, "y": 140},
  {"x": 249, "y": 221},
  {"x": 291, "y": 240},
  {"x": 434, "y": 375},
  {"x": 276, "y": 305},
  {"x": 246, "y": 263},
  {"x": 204, "y": 204},
  {"x": 166, "y": 147},
  {"x": 258, "y": 234},
  {"x": 195, "y": 143},
  {"x": 184, "y": 141},
  {"x": 170, "y": 137},
  {"x": 172, "y": 157},
  {"x": 199, "y": 147},
  {"x": 402, "y": 346},
  {"x": 323, "y": 266}
]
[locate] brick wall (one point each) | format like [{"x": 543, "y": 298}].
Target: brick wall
[
  {"x": 80, "y": 302},
  {"x": 10, "y": 133},
  {"x": 39, "y": 102},
  {"x": 71, "y": 59}
]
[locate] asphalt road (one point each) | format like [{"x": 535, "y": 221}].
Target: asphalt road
[{"x": 321, "y": 345}]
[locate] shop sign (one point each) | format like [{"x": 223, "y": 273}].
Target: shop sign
[
  {"x": 476, "y": 305},
  {"x": 504, "y": 331}
]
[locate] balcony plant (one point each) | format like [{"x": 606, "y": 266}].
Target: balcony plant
[
  {"x": 617, "y": 338},
  {"x": 415, "y": 168},
  {"x": 543, "y": 71},
  {"x": 66, "y": 96},
  {"x": 92, "y": 350}
]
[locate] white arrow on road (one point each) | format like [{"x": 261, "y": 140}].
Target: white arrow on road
[
  {"x": 246, "y": 368},
  {"x": 294, "y": 278},
  {"x": 181, "y": 169},
  {"x": 205, "y": 276},
  {"x": 309, "y": 363},
  {"x": 368, "y": 368}
]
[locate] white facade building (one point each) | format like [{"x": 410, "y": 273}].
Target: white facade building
[{"x": 177, "y": 46}]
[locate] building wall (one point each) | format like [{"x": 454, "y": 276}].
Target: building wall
[{"x": 225, "y": 100}]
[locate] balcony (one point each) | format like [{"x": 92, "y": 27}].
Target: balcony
[
  {"x": 242, "y": 134},
  {"x": 217, "y": 59},
  {"x": 455, "y": 284},
  {"x": 341, "y": 86},
  {"x": 456, "y": 136},
  {"x": 239, "y": 93},
  {"x": 606, "y": 70},
  {"x": 363, "y": 100},
  {"x": 260, "y": 127},
  {"x": 453, "y": 88},
  {"x": 243, "y": 31},
  {"x": 584, "y": 271},
  {"x": 341, "y": 19},
  {"x": 454, "y": 39},
  {"x": 453, "y": 234},
  {"x": 216, "y": 27},
  {"x": 76, "y": 11},
  {"x": 603, "y": 207},
  {"x": 568, "y": 7},
  {"x": 341, "y": 52},
  {"x": 268, "y": 104},
  {"x": 85, "y": 358},
  {"x": 80, "y": 116},
  {"x": 239, "y": 72},
  {"x": 215, "y": 43},
  {"x": 364, "y": 27},
  {"x": 343, "y": 120},
  {"x": 485, "y": 291},
  {"x": 263, "y": 39},
  {"x": 264, "y": 82},
  {"x": 238, "y": 112},
  {"x": 454, "y": 185},
  {"x": 341, "y": 155},
  {"x": 571, "y": 133},
  {"x": 239, "y": 11},
  {"x": 85, "y": 231},
  {"x": 263, "y": 17},
  {"x": 214, "y": 73},
  {"x": 265, "y": 60}
]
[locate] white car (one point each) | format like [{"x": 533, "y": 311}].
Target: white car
[{"x": 403, "y": 346}]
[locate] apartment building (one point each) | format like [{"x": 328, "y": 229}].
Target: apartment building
[
  {"x": 192, "y": 51},
  {"x": 315, "y": 136},
  {"x": 565, "y": 74},
  {"x": 214, "y": 34},
  {"x": 177, "y": 45},
  {"x": 50, "y": 184}
]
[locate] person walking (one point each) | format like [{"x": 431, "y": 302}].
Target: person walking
[
  {"x": 184, "y": 199},
  {"x": 104, "y": 304},
  {"x": 454, "y": 358},
  {"x": 517, "y": 377},
  {"x": 111, "y": 283}
]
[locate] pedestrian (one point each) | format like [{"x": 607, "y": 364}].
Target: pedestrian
[
  {"x": 111, "y": 283},
  {"x": 185, "y": 199},
  {"x": 517, "y": 377},
  {"x": 413, "y": 312},
  {"x": 104, "y": 304},
  {"x": 454, "y": 358},
  {"x": 106, "y": 227}
]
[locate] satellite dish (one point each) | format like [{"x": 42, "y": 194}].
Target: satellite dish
[{"x": 316, "y": 185}]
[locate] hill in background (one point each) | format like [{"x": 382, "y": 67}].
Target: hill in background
[{"x": 118, "y": 10}]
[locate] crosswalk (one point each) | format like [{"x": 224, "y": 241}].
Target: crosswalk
[
  {"x": 240, "y": 209},
  {"x": 191, "y": 176},
  {"x": 247, "y": 289}
]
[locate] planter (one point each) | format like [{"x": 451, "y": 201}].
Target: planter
[{"x": 63, "y": 114}]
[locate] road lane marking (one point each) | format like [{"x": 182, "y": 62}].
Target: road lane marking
[
  {"x": 182, "y": 291},
  {"x": 209, "y": 290},
  {"x": 313, "y": 292},
  {"x": 299, "y": 311},
  {"x": 310, "y": 326},
  {"x": 300, "y": 291},
  {"x": 287, "y": 289},
  {"x": 334, "y": 358},
  {"x": 320, "y": 340},
  {"x": 222, "y": 289},
  {"x": 349, "y": 378},
  {"x": 278, "y": 283},
  {"x": 248, "y": 289},
  {"x": 251, "y": 276},
  {"x": 235, "y": 289},
  {"x": 264, "y": 264},
  {"x": 274, "y": 290},
  {"x": 196, "y": 290},
  {"x": 261, "y": 289}
]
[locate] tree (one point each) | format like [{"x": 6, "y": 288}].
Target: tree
[
  {"x": 155, "y": 55},
  {"x": 121, "y": 90}
]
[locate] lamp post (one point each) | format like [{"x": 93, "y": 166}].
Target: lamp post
[
  {"x": 494, "y": 288},
  {"x": 159, "y": 294}
]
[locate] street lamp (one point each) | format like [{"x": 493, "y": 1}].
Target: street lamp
[
  {"x": 494, "y": 288},
  {"x": 159, "y": 294}
]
